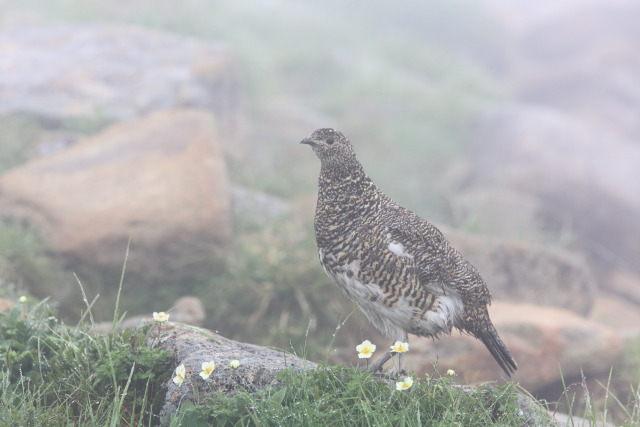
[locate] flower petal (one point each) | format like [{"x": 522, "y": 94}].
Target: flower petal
[
  {"x": 403, "y": 385},
  {"x": 400, "y": 347}
]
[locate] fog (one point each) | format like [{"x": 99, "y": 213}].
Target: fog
[{"x": 513, "y": 125}]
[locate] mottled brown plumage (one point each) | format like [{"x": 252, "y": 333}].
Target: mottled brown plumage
[{"x": 398, "y": 268}]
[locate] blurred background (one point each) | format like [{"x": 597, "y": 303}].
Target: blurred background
[{"x": 514, "y": 126}]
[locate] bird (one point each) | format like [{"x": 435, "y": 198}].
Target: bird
[{"x": 398, "y": 268}]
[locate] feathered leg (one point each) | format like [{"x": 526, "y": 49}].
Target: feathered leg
[{"x": 398, "y": 362}]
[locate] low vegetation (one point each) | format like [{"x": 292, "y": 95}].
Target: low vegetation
[
  {"x": 276, "y": 278},
  {"x": 54, "y": 374},
  {"x": 351, "y": 396}
]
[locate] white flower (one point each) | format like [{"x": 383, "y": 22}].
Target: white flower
[
  {"x": 451, "y": 372},
  {"x": 366, "y": 349},
  {"x": 235, "y": 364},
  {"x": 181, "y": 374},
  {"x": 403, "y": 385},
  {"x": 207, "y": 369},
  {"x": 160, "y": 317},
  {"x": 22, "y": 299},
  {"x": 400, "y": 347}
]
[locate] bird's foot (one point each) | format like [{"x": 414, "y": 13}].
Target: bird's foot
[
  {"x": 377, "y": 366},
  {"x": 398, "y": 366}
]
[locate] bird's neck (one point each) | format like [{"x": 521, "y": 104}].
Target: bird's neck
[
  {"x": 342, "y": 168},
  {"x": 344, "y": 200},
  {"x": 339, "y": 181}
]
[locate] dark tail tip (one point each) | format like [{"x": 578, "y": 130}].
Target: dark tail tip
[{"x": 498, "y": 350}]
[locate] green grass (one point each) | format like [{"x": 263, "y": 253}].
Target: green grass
[
  {"x": 612, "y": 396},
  {"x": 607, "y": 401},
  {"x": 25, "y": 262},
  {"x": 53, "y": 374},
  {"x": 349, "y": 396},
  {"x": 272, "y": 272}
]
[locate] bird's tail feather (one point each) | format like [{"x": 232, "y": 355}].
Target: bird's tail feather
[{"x": 498, "y": 350}]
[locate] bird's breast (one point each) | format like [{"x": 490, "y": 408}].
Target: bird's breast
[
  {"x": 345, "y": 272},
  {"x": 400, "y": 306}
]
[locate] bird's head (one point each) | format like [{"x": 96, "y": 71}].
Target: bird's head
[{"x": 332, "y": 147}]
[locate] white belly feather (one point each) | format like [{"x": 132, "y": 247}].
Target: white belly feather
[{"x": 402, "y": 316}]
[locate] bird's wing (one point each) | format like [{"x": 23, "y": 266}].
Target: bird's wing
[{"x": 437, "y": 262}]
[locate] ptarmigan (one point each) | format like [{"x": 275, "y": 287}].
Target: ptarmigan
[{"x": 398, "y": 268}]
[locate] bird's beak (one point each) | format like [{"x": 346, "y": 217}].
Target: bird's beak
[{"x": 308, "y": 141}]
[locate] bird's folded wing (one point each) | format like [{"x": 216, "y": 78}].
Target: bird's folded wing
[{"x": 436, "y": 260}]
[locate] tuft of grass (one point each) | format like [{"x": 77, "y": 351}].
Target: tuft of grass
[
  {"x": 348, "y": 396},
  {"x": 273, "y": 268},
  {"x": 616, "y": 399},
  {"x": 25, "y": 262},
  {"x": 631, "y": 360},
  {"x": 52, "y": 374}
]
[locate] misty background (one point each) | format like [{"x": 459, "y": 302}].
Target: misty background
[{"x": 515, "y": 127}]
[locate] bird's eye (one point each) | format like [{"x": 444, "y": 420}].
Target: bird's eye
[{"x": 330, "y": 141}]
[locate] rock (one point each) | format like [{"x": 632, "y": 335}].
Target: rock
[
  {"x": 106, "y": 72},
  {"x": 524, "y": 272},
  {"x": 159, "y": 180},
  {"x": 587, "y": 182},
  {"x": 258, "y": 365},
  {"x": 617, "y": 313},
  {"x": 625, "y": 284},
  {"x": 541, "y": 339},
  {"x": 188, "y": 310}
]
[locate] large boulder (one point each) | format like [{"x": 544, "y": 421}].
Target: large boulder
[
  {"x": 73, "y": 75},
  {"x": 618, "y": 313},
  {"x": 526, "y": 272},
  {"x": 191, "y": 346},
  {"x": 160, "y": 181},
  {"x": 543, "y": 340}
]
